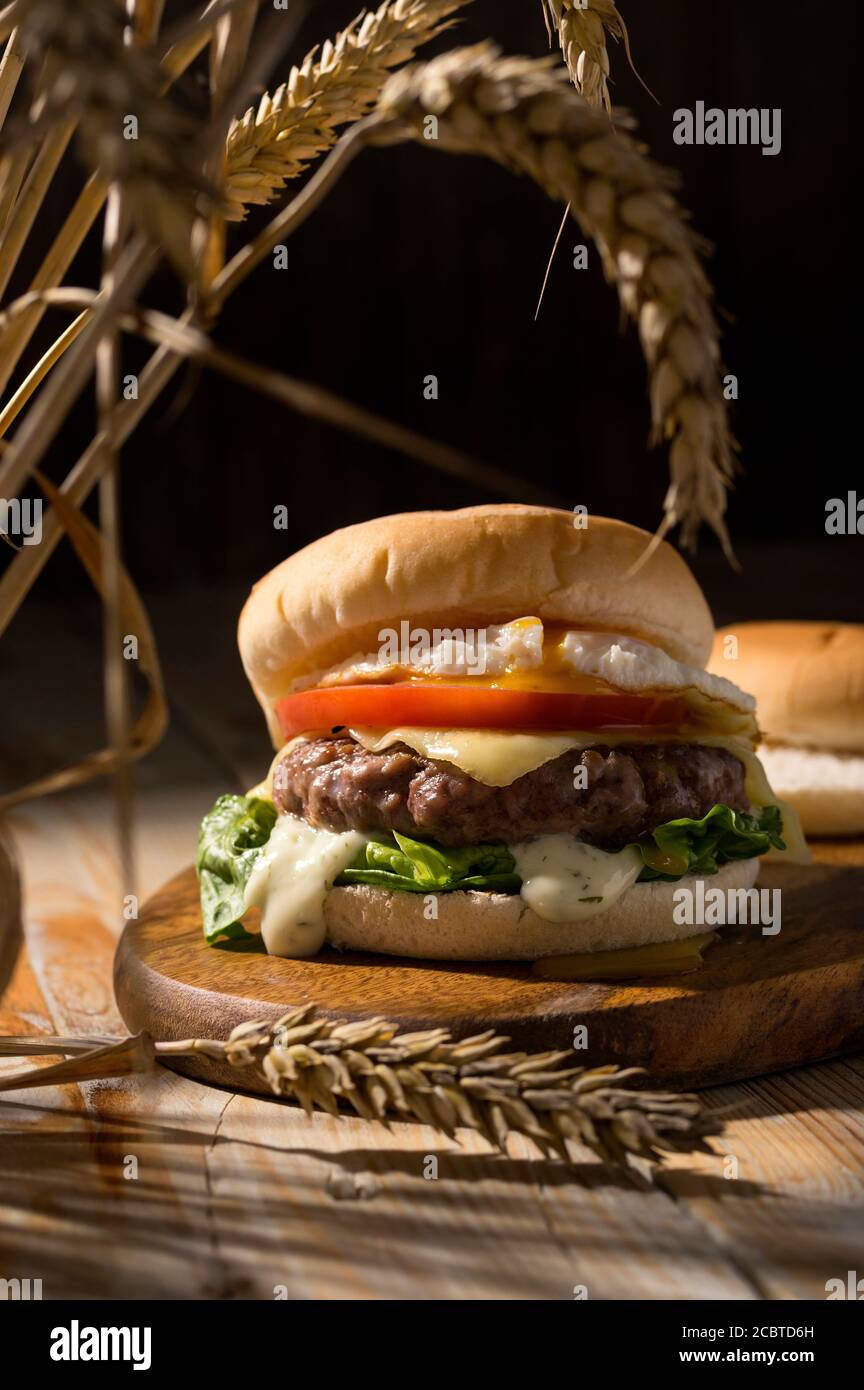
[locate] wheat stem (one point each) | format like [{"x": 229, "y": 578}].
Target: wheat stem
[
  {"x": 37, "y": 374},
  {"x": 185, "y": 42},
  {"x": 115, "y": 681},
  {"x": 45, "y": 418},
  {"x": 14, "y": 169},
  {"x": 8, "y": 20},
  {"x": 293, "y": 216},
  {"x": 199, "y": 29},
  {"x": 145, "y": 16},
  {"x": 20, "y": 224},
  {"x": 11, "y": 67},
  {"x": 29, "y": 562},
  {"x": 57, "y": 261},
  {"x": 228, "y": 50},
  {"x": 151, "y": 721},
  {"x": 176, "y": 59}
]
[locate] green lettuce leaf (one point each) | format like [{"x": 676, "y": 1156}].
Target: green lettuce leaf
[
  {"x": 700, "y": 846},
  {"x": 235, "y": 831},
  {"x": 231, "y": 839},
  {"x": 677, "y": 848},
  {"x": 414, "y": 866}
]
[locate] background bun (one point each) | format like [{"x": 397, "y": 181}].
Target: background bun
[
  {"x": 826, "y": 789},
  {"x": 471, "y": 567},
  {"x": 808, "y": 679},
  {"x": 498, "y": 926}
]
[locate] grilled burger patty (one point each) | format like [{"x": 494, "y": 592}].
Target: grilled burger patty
[{"x": 335, "y": 784}]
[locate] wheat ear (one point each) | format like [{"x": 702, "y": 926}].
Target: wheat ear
[
  {"x": 525, "y": 115},
  {"x": 582, "y": 34},
  {"x": 340, "y": 83},
  {"x": 473, "y": 1082},
  {"x": 382, "y": 1074}
]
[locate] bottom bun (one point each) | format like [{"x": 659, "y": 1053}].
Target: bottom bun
[
  {"x": 826, "y": 789},
  {"x": 499, "y": 926}
]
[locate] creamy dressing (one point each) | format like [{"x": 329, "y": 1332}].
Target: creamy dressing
[
  {"x": 564, "y": 880},
  {"x": 290, "y": 880}
]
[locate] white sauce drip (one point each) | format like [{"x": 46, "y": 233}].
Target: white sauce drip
[
  {"x": 290, "y": 880},
  {"x": 564, "y": 880}
]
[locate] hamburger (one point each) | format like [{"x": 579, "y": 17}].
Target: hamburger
[
  {"x": 495, "y": 741},
  {"x": 809, "y": 681}
]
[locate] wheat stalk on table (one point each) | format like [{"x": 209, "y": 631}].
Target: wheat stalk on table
[
  {"x": 472, "y": 1082},
  {"x": 381, "y": 1074}
]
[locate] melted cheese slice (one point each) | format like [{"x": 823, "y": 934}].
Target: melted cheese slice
[
  {"x": 494, "y": 756},
  {"x": 497, "y": 758}
]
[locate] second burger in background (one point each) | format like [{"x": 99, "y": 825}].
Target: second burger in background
[{"x": 808, "y": 679}]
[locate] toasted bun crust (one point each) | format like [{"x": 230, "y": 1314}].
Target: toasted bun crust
[
  {"x": 808, "y": 679},
  {"x": 826, "y": 789},
  {"x": 467, "y": 568},
  {"x": 498, "y": 926}
]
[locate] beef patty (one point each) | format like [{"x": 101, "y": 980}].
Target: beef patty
[{"x": 334, "y": 783}]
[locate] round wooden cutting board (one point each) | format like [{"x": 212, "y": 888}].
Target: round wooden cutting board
[{"x": 758, "y": 1003}]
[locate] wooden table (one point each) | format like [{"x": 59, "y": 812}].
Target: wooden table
[{"x": 162, "y": 1187}]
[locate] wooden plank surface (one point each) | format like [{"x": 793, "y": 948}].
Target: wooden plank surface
[
  {"x": 237, "y": 1196},
  {"x": 165, "y": 1187}
]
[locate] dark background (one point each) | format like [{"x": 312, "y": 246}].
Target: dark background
[{"x": 421, "y": 262}]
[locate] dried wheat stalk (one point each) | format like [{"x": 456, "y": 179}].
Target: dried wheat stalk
[
  {"x": 144, "y": 20},
  {"x": 162, "y": 183},
  {"x": 11, "y": 931},
  {"x": 71, "y": 235},
  {"x": 20, "y": 576},
  {"x": 581, "y": 31},
  {"x": 11, "y": 67},
  {"x": 471, "y": 1083},
  {"x": 526, "y": 116},
  {"x": 289, "y": 128},
  {"x": 382, "y": 1074},
  {"x": 152, "y": 719},
  {"x": 93, "y": 78}
]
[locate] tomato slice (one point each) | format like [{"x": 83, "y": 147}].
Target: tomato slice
[{"x": 459, "y": 707}]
